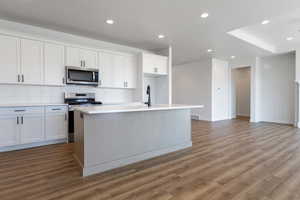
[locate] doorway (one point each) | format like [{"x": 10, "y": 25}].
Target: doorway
[{"x": 241, "y": 92}]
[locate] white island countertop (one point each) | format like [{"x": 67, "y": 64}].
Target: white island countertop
[{"x": 133, "y": 108}]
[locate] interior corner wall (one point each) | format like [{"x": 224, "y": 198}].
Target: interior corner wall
[
  {"x": 275, "y": 88},
  {"x": 192, "y": 84}
]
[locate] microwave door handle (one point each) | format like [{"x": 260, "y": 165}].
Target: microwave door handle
[{"x": 94, "y": 77}]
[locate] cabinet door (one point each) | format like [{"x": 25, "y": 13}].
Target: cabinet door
[
  {"x": 56, "y": 126},
  {"x": 54, "y": 64},
  {"x": 9, "y": 131},
  {"x": 90, "y": 58},
  {"x": 32, "y": 128},
  {"x": 32, "y": 61},
  {"x": 131, "y": 71},
  {"x": 148, "y": 63},
  {"x": 9, "y": 59},
  {"x": 73, "y": 57},
  {"x": 106, "y": 66},
  {"x": 119, "y": 71},
  {"x": 161, "y": 63}
]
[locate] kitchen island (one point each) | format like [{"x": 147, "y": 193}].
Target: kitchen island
[{"x": 108, "y": 137}]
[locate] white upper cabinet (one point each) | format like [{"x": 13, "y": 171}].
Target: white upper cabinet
[
  {"x": 107, "y": 69},
  {"x": 81, "y": 58},
  {"x": 89, "y": 58},
  {"x": 117, "y": 70},
  {"x": 155, "y": 64},
  {"x": 54, "y": 64},
  {"x": 9, "y": 59},
  {"x": 73, "y": 57},
  {"x": 130, "y": 71},
  {"x": 32, "y": 62}
]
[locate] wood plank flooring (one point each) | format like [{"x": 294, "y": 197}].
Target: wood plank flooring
[{"x": 229, "y": 160}]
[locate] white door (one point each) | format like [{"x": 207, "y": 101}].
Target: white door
[
  {"x": 73, "y": 57},
  {"x": 89, "y": 58},
  {"x": 220, "y": 90},
  {"x": 32, "y": 61},
  {"x": 130, "y": 71},
  {"x": 56, "y": 126},
  {"x": 54, "y": 64},
  {"x": 32, "y": 128},
  {"x": 106, "y": 66},
  {"x": 9, "y": 59},
  {"x": 9, "y": 130}
]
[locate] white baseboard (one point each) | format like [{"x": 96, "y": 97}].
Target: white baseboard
[
  {"x": 31, "y": 145},
  {"x": 89, "y": 170}
]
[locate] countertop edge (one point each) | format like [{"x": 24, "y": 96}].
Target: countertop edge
[
  {"x": 31, "y": 105},
  {"x": 139, "y": 109}
]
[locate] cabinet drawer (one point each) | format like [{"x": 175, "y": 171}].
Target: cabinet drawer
[
  {"x": 56, "y": 109},
  {"x": 21, "y": 110}
]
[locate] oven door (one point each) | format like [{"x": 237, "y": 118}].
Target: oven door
[{"x": 79, "y": 76}]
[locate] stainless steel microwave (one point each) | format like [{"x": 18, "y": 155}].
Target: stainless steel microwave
[{"x": 82, "y": 76}]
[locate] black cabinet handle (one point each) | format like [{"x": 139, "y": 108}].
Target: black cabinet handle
[
  {"x": 22, "y": 120},
  {"x": 56, "y": 109},
  {"x": 17, "y": 120},
  {"x": 20, "y": 110}
]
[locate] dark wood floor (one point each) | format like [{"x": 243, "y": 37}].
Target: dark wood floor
[{"x": 229, "y": 160}]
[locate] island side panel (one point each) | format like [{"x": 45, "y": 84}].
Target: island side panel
[
  {"x": 116, "y": 139},
  {"x": 78, "y": 147}
]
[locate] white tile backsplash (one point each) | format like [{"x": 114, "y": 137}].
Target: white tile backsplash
[{"x": 51, "y": 94}]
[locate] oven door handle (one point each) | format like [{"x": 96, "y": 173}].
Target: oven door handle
[{"x": 94, "y": 77}]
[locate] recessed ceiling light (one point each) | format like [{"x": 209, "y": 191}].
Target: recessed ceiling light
[
  {"x": 209, "y": 50},
  {"x": 161, "y": 36},
  {"x": 289, "y": 38},
  {"x": 110, "y": 21},
  {"x": 204, "y": 15},
  {"x": 265, "y": 22},
  {"x": 232, "y": 57}
]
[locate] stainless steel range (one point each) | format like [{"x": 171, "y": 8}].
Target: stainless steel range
[{"x": 75, "y": 100}]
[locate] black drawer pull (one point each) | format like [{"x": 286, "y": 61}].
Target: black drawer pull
[
  {"x": 20, "y": 110},
  {"x": 56, "y": 109}
]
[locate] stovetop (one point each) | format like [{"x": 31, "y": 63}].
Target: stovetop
[{"x": 81, "y": 99}]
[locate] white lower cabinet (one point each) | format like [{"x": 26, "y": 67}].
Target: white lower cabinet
[
  {"x": 9, "y": 131},
  {"x": 32, "y": 128},
  {"x": 32, "y": 125},
  {"x": 56, "y": 122}
]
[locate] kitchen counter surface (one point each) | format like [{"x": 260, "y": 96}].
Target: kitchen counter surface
[
  {"x": 31, "y": 104},
  {"x": 133, "y": 108}
]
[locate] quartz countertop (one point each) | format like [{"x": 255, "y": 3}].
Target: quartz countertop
[
  {"x": 30, "y": 104},
  {"x": 132, "y": 108}
]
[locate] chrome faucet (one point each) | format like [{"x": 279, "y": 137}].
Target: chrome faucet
[{"x": 149, "y": 96}]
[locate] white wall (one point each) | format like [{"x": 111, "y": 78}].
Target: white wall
[
  {"x": 192, "y": 84},
  {"x": 276, "y": 89},
  {"x": 242, "y": 83},
  {"x": 45, "y": 94}
]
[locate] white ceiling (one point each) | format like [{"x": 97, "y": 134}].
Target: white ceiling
[
  {"x": 138, "y": 22},
  {"x": 273, "y": 36}
]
